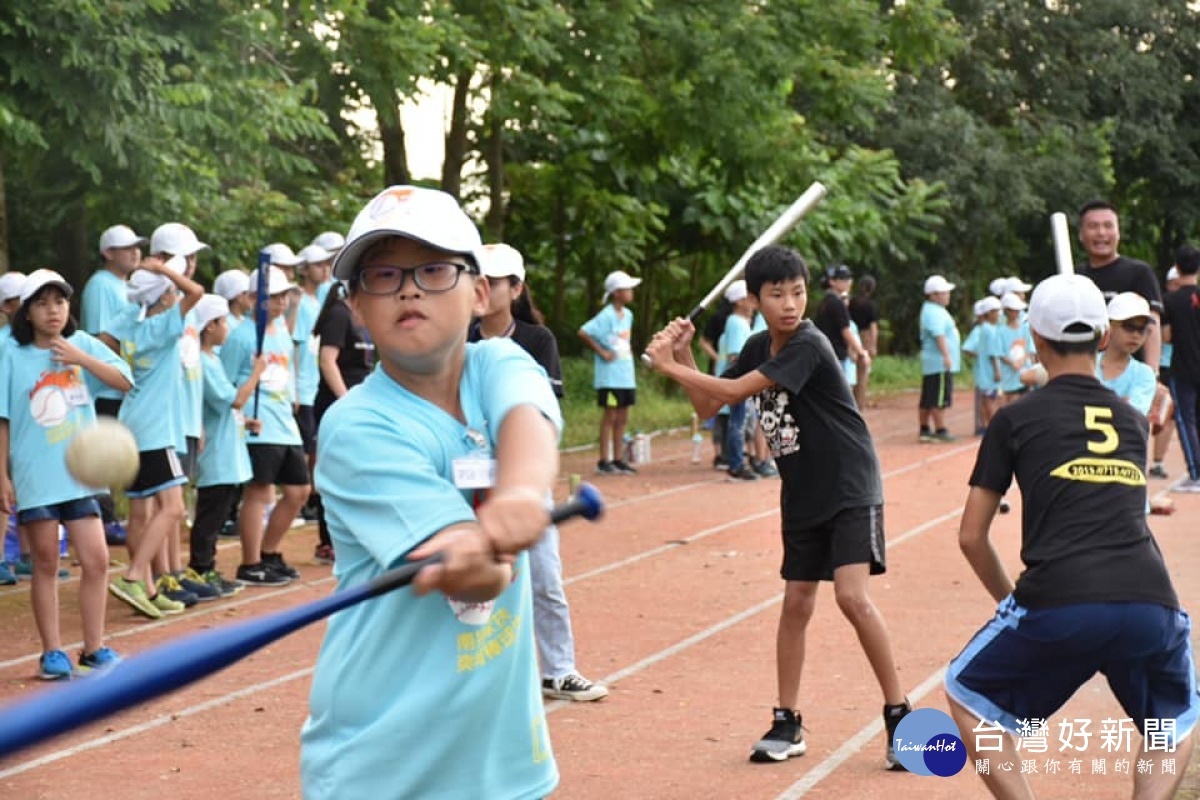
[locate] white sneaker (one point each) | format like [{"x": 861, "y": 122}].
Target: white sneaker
[
  {"x": 1187, "y": 486},
  {"x": 573, "y": 687}
]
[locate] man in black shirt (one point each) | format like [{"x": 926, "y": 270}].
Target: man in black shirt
[
  {"x": 1095, "y": 595},
  {"x": 1181, "y": 321},
  {"x": 832, "y": 494},
  {"x": 1100, "y": 234}
]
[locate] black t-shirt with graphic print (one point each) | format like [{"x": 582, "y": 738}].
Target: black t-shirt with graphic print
[
  {"x": 1077, "y": 451},
  {"x": 1125, "y": 275},
  {"x": 820, "y": 442}
]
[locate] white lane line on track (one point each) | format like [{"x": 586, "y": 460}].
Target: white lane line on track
[{"x": 620, "y": 674}]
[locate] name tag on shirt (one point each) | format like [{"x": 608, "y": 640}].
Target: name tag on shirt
[
  {"x": 77, "y": 396},
  {"x": 474, "y": 472}
]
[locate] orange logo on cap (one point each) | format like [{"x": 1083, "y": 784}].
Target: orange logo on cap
[{"x": 390, "y": 200}]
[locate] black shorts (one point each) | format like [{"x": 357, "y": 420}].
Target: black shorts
[
  {"x": 278, "y": 464},
  {"x": 937, "y": 390},
  {"x": 191, "y": 458},
  {"x": 616, "y": 398},
  {"x": 1164, "y": 376},
  {"x": 852, "y": 536},
  {"x": 306, "y": 421},
  {"x": 158, "y": 470},
  {"x": 108, "y": 406}
]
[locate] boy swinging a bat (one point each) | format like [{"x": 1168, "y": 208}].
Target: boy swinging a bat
[
  {"x": 832, "y": 495},
  {"x": 446, "y": 448}
]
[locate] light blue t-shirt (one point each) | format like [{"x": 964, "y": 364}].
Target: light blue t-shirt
[
  {"x": 730, "y": 343},
  {"x": 46, "y": 404},
  {"x": 224, "y": 459},
  {"x": 981, "y": 344},
  {"x": 191, "y": 404},
  {"x": 849, "y": 365},
  {"x": 1136, "y": 384},
  {"x": 276, "y": 389},
  {"x": 390, "y": 667},
  {"x": 308, "y": 376},
  {"x": 612, "y": 331},
  {"x": 151, "y": 348},
  {"x": 936, "y": 321},
  {"x": 1012, "y": 344},
  {"x": 103, "y": 301},
  {"x": 1165, "y": 359}
]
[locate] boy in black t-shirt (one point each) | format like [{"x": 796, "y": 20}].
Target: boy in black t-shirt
[
  {"x": 1095, "y": 595},
  {"x": 832, "y": 496}
]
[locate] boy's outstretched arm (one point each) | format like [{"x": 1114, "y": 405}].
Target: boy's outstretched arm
[
  {"x": 515, "y": 514},
  {"x": 670, "y": 353},
  {"x": 975, "y": 545}
]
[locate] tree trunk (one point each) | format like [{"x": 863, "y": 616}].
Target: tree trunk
[
  {"x": 391, "y": 136},
  {"x": 456, "y": 137},
  {"x": 4, "y": 263},
  {"x": 74, "y": 255},
  {"x": 494, "y": 224}
]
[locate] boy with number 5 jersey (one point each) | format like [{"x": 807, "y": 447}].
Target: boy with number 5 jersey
[
  {"x": 1095, "y": 595},
  {"x": 449, "y": 448}
]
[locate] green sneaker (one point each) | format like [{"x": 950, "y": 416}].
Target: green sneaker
[
  {"x": 227, "y": 588},
  {"x": 166, "y": 605},
  {"x": 134, "y": 593}
]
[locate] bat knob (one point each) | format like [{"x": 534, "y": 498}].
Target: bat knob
[
  {"x": 591, "y": 503},
  {"x": 647, "y": 360}
]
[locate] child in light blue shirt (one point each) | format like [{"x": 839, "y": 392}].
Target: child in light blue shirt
[
  {"x": 609, "y": 335},
  {"x": 47, "y": 375},
  {"x": 447, "y": 447},
  {"x": 980, "y": 344},
  {"x": 940, "y": 356}
]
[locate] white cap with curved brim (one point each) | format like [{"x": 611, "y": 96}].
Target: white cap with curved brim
[
  {"x": 501, "y": 261},
  {"x": 277, "y": 282},
  {"x": 282, "y": 255},
  {"x": 618, "y": 280},
  {"x": 1010, "y": 302},
  {"x": 41, "y": 278},
  {"x": 989, "y": 304},
  {"x": 1016, "y": 285},
  {"x": 736, "y": 291},
  {"x": 120, "y": 236},
  {"x": 175, "y": 238},
  {"x": 1128, "y": 305},
  {"x": 936, "y": 284},
  {"x": 1173, "y": 274},
  {"x": 230, "y": 283},
  {"x": 1068, "y": 308},
  {"x": 208, "y": 308},
  {"x": 10, "y": 285},
  {"x": 427, "y": 216},
  {"x": 331, "y": 241}
]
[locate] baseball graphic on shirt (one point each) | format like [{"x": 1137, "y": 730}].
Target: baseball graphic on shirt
[
  {"x": 275, "y": 377},
  {"x": 189, "y": 349},
  {"x": 1016, "y": 354},
  {"x": 48, "y": 406},
  {"x": 474, "y": 614}
]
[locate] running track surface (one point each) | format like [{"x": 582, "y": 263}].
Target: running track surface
[{"x": 675, "y": 597}]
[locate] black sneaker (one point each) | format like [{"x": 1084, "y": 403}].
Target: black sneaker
[
  {"x": 1157, "y": 471},
  {"x": 891, "y": 718},
  {"x": 275, "y": 562},
  {"x": 573, "y": 687},
  {"x": 785, "y": 739},
  {"x": 623, "y": 468},
  {"x": 743, "y": 474},
  {"x": 168, "y": 585},
  {"x": 606, "y": 468},
  {"x": 193, "y": 583},
  {"x": 260, "y": 575},
  {"x": 229, "y": 529}
]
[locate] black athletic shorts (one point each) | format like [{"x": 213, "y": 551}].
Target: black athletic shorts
[
  {"x": 278, "y": 464},
  {"x": 306, "y": 421},
  {"x": 616, "y": 398},
  {"x": 852, "y": 536},
  {"x": 158, "y": 470},
  {"x": 937, "y": 390}
]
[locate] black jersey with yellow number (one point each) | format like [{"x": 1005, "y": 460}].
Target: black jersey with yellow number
[
  {"x": 821, "y": 444},
  {"x": 1078, "y": 452}
]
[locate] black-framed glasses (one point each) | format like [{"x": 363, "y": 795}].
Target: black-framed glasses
[
  {"x": 436, "y": 276},
  {"x": 1133, "y": 327}
]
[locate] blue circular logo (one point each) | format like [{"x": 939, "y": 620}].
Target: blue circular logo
[{"x": 927, "y": 742}]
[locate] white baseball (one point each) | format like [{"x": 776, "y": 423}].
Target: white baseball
[{"x": 104, "y": 455}]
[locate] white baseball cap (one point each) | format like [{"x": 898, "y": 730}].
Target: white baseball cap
[
  {"x": 988, "y": 305},
  {"x": 1016, "y": 285},
  {"x": 330, "y": 241},
  {"x": 208, "y": 308},
  {"x": 501, "y": 261},
  {"x": 1173, "y": 274},
  {"x": 230, "y": 283},
  {"x": 277, "y": 282},
  {"x": 1010, "y": 302},
  {"x": 1127, "y": 305},
  {"x": 120, "y": 236},
  {"x": 936, "y": 283},
  {"x": 998, "y": 286},
  {"x": 175, "y": 238},
  {"x": 144, "y": 287},
  {"x": 736, "y": 291},
  {"x": 1068, "y": 308},
  {"x": 314, "y": 254},
  {"x": 424, "y": 215},
  {"x": 282, "y": 255},
  {"x": 616, "y": 281},
  {"x": 10, "y": 285},
  {"x": 40, "y": 278}
]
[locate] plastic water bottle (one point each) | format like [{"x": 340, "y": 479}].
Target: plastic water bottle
[{"x": 697, "y": 440}]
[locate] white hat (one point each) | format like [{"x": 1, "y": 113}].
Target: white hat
[
  {"x": 40, "y": 278},
  {"x": 1016, "y": 285},
  {"x": 208, "y": 308},
  {"x": 1128, "y": 305},
  {"x": 175, "y": 238},
  {"x": 10, "y": 285},
  {"x": 977, "y": 308},
  {"x": 998, "y": 286},
  {"x": 330, "y": 241},
  {"x": 1010, "y": 302},
  {"x": 144, "y": 287},
  {"x": 427, "y": 216},
  {"x": 277, "y": 282},
  {"x": 230, "y": 283},
  {"x": 120, "y": 236},
  {"x": 736, "y": 291},
  {"x": 314, "y": 254},
  {"x": 616, "y": 281},
  {"x": 282, "y": 255},
  {"x": 936, "y": 283},
  {"x": 1067, "y": 308},
  {"x": 500, "y": 261},
  {"x": 988, "y": 304},
  {"x": 1173, "y": 274}
]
